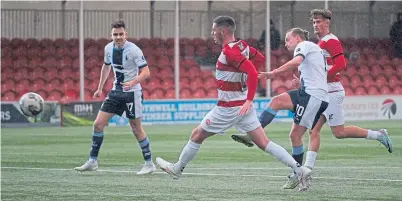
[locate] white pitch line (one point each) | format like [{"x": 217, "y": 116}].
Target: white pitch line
[
  {"x": 283, "y": 168},
  {"x": 211, "y": 174}
]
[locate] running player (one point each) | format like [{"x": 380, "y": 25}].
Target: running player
[
  {"x": 130, "y": 69},
  {"x": 334, "y": 113},
  {"x": 234, "y": 108}
]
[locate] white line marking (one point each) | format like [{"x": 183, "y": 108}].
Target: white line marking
[
  {"x": 211, "y": 174},
  {"x": 283, "y": 168}
]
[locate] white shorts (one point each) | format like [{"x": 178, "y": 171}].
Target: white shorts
[
  {"x": 334, "y": 112},
  {"x": 219, "y": 119}
]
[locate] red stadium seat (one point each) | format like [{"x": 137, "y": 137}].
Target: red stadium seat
[
  {"x": 5, "y": 42},
  {"x": 54, "y": 95},
  {"x": 398, "y": 90},
  {"x": 42, "y": 93},
  {"x": 170, "y": 94},
  {"x": 60, "y": 42},
  {"x": 389, "y": 70},
  {"x": 373, "y": 90},
  {"x": 212, "y": 93},
  {"x": 73, "y": 43},
  {"x": 394, "y": 81},
  {"x": 355, "y": 81},
  {"x": 348, "y": 91},
  {"x": 185, "y": 94},
  {"x": 368, "y": 81},
  {"x": 7, "y": 86},
  {"x": 380, "y": 80},
  {"x": 385, "y": 90},
  {"x": 9, "y": 96},
  {"x": 360, "y": 91},
  {"x": 16, "y": 43}
]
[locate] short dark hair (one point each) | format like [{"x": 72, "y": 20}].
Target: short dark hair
[
  {"x": 300, "y": 32},
  {"x": 325, "y": 13},
  {"x": 118, "y": 24},
  {"x": 226, "y": 21}
]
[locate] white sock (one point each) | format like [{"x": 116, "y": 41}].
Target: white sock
[
  {"x": 373, "y": 135},
  {"x": 188, "y": 153},
  {"x": 282, "y": 155},
  {"x": 310, "y": 159}
]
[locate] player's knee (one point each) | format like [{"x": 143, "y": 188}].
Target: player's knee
[
  {"x": 98, "y": 126},
  {"x": 295, "y": 137},
  {"x": 275, "y": 103},
  {"x": 137, "y": 130},
  {"x": 196, "y": 136},
  {"x": 314, "y": 134}
]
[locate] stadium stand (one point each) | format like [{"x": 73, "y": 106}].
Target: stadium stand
[{"x": 51, "y": 68}]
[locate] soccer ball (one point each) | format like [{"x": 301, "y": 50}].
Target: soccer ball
[{"x": 31, "y": 104}]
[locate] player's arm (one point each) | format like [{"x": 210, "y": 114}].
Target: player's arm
[
  {"x": 290, "y": 65},
  {"x": 104, "y": 72},
  {"x": 256, "y": 58},
  {"x": 104, "y": 75},
  {"x": 143, "y": 75},
  {"x": 334, "y": 48}
]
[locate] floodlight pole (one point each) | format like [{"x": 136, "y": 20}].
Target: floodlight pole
[
  {"x": 81, "y": 49},
  {"x": 268, "y": 49},
  {"x": 177, "y": 51}
]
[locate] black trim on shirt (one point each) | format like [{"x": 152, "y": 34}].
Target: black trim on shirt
[
  {"x": 337, "y": 55},
  {"x": 241, "y": 62},
  {"x": 142, "y": 66},
  {"x": 300, "y": 54}
]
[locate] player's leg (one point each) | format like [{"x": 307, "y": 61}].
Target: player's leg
[
  {"x": 250, "y": 125},
  {"x": 307, "y": 112},
  {"x": 295, "y": 136},
  {"x": 110, "y": 106},
  {"x": 280, "y": 102},
  {"x": 381, "y": 135},
  {"x": 216, "y": 121},
  {"x": 335, "y": 116},
  {"x": 97, "y": 138},
  {"x": 188, "y": 153},
  {"x": 314, "y": 143},
  {"x": 143, "y": 142},
  {"x": 133, "y": 108}
]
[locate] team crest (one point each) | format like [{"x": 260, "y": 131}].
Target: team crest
[{"x": 208, "y": 122}]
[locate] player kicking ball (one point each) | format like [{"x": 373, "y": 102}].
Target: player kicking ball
[
  {"x": 130, "y": 69},
  {"x": 234, "y": 107},
  {"x": 307, "y": 102},
  {"x": 334, "y": 113}
]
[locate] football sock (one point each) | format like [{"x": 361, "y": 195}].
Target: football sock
[
  {"x": 188, "y": 154},
  {"x": 97, "y": 139},
  {"x": 373, "y": 135},
  {"x": 146, "y": 152},
  {"x": 267, "y": 116},
  {"x": 297, "y": 153},
  {"x": 281, "y": 155},
  {"x": 310, "y": 159}
]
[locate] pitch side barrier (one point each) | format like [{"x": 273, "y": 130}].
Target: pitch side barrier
[{"x": 185, "y": 112}]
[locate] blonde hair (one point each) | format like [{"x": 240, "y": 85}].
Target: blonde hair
[
  {"x": 324, "y": 13},
  {"x": 300, "y": 32}
]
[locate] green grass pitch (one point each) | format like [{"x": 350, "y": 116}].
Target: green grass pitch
[{"x": 37, "y": 164}]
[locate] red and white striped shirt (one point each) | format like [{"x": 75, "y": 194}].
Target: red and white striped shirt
[{"x": 231, "y": 81}]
